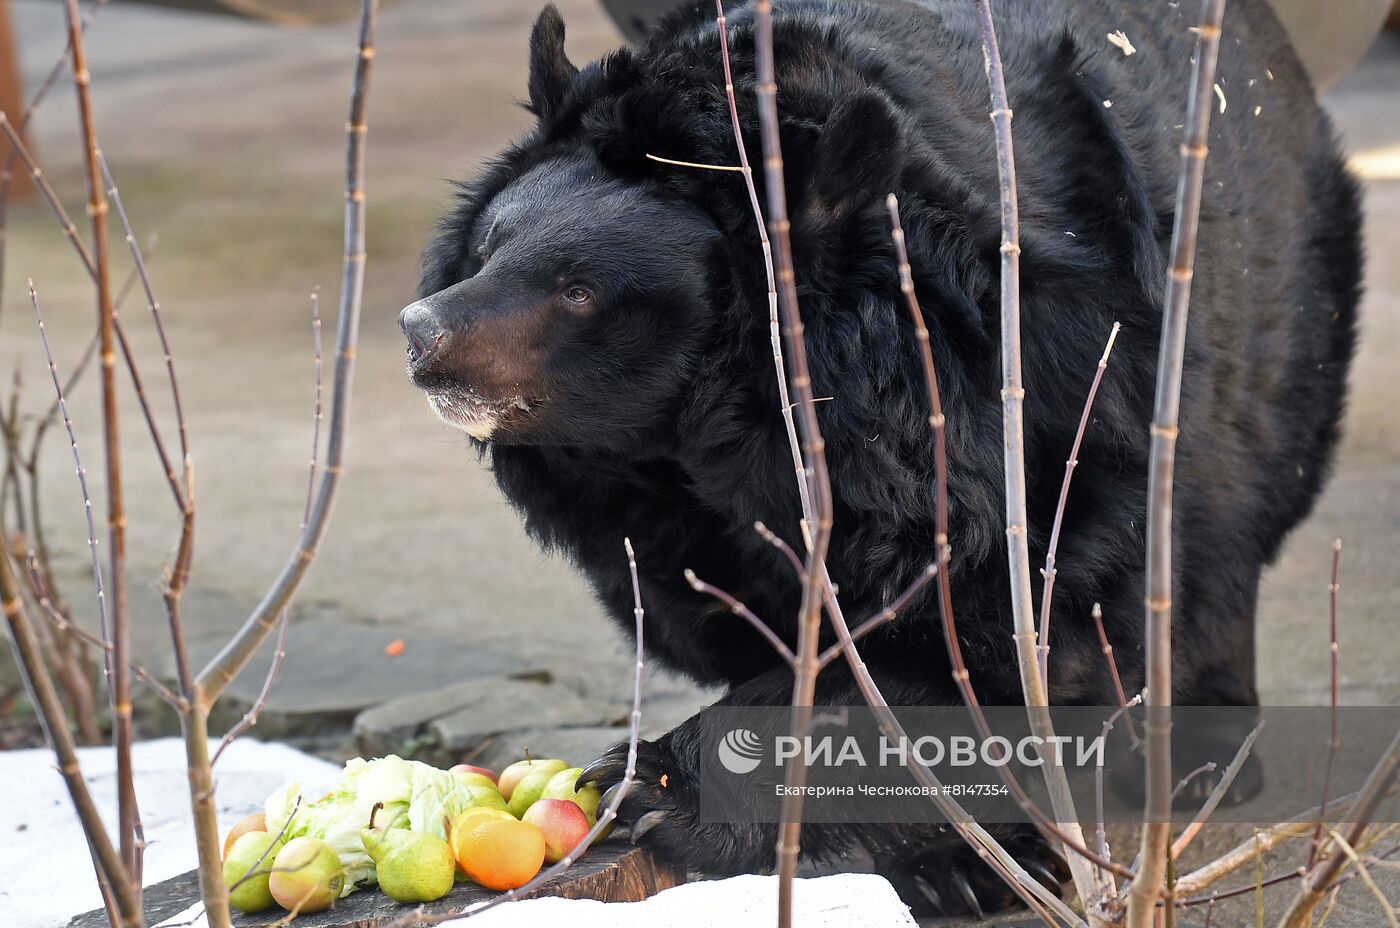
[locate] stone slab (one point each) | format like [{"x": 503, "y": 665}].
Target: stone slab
[
  {"x": 333, "y": 671},
  {"x": 470, "y": 709}
]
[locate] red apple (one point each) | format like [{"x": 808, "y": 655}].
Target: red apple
[
  {"x": 563, "y": 823},
  {"x": 470, "y": 768}
]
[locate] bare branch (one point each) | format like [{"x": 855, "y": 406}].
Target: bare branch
[
  {"x": 1333, "y": 589},
  {"x": 220, "y": 671},
  {"x": 1107, "y": 650},
  {"x": 743, "y": 612},
  {"x": 1377, "y": 785},
  {"x": 1147, "y": 888},
  {"x": 1047, "y": 592},
  {"x": 774, "y": 334},
  {"x": 1222, "y": 788},
  {"x": 1088, "y": 882}
]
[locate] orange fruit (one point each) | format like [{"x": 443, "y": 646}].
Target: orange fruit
[
  {"x": 498, "y": 853},
  {"x": 242, "y": 827}
]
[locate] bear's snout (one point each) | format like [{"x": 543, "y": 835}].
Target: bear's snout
[{"x": 420, "y": 326}]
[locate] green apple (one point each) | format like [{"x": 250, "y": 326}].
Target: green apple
[
  {"x": 247, "y": 867},
  {"x": 529, "y": 789},
  {"x": 519, "y": 770},
  {"x": 561, "y": 786}
]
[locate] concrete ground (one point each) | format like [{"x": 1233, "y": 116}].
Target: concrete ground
[{"x": 226, "y": 139}]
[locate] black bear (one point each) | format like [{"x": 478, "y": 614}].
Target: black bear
[{"x": 596, "y": 320}]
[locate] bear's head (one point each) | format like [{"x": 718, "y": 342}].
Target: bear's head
[{"x": 573, "y": 294}]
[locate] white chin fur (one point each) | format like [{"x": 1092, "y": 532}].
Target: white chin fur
[{"x": 469, "y": 417}]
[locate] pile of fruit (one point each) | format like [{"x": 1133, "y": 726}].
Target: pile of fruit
[{"x": 409, "y": 827}]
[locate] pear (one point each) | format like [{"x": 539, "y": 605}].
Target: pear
[
  {"x": 411, "y": 866},
  {"x": 307, "y": 876},
  {"x": 247, "y": 866},
  {"x": 529, "y": 789}
]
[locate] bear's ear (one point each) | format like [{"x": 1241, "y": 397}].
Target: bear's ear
[
  {"x": 859, "y": 154},
  {"x": 551, "y": 72}
]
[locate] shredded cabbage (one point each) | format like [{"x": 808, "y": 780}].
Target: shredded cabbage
[{"x": 416, "y": 796}]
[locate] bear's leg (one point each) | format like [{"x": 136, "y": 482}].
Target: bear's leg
[{"x": 932, "y": 868}]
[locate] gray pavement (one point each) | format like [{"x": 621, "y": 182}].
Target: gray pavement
[{"x": 225, "y": 137}]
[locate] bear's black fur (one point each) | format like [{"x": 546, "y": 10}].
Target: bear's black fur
[{"x": 661, "y": 416}]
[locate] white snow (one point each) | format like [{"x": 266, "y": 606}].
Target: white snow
[
  {"x": 844, "y": 900},
  {"x": 45, "y": 871}
]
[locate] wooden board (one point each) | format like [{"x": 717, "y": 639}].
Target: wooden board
[{"x": 614, "y": 871}]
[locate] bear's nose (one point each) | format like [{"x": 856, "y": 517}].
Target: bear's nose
[{"x": 420, "y": 327}]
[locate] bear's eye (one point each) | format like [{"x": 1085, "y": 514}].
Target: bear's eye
[{"x": 577, "y": 296}]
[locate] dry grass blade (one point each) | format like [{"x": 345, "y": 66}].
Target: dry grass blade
[{"x": 1147, "y": 888}]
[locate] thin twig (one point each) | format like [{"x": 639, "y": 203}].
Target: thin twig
[
  {"x": 1321, "y": 873},
  {"x": 221, "y": 670},
  {"x": 889, "y": 613},
  {"x": 46, "y": 192},
  {"x": 1107, "y": 650},
  {"x": 1100, "y": 833},
  {"x": 183, "y": 495},
  {"x": 783, "y": 547},
  {"x": 63, "y": 624},
  {"x": 111, "y": 872},
  {"x": 774, "y": 333},
  {"x": 1048, "y": 572},
  {"x": 1227, "y": 779},
  {"x": 1365, "y": 875},
  {"x": 108, "y": 648},
  {"x": 695, "y": 164},
  {"x": 1146, "y": 889},
  {"x": 938, "y": 423},
  {"x": 250, "y": 718},
  {"x": 743, "y": 612},
  {"x": 1333, "y": 589}
]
